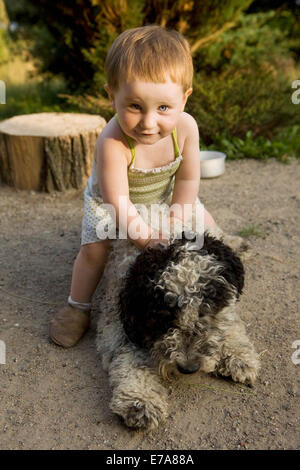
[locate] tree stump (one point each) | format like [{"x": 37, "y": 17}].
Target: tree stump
[{"x": 48, "y": 151}]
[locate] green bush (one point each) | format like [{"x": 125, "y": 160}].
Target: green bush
[
  {"x": 79, "y": 32},
  {"x": 244, "y": 63},
  {"x": 286, "y": 145},
  {"x": 256, "y": 98},
  {"x": 254, "y": 40},
  {"x": 290, "y": 137}
]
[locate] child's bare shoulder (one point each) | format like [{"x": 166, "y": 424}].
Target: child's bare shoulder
[
  {"x": 113, "y": 140},
  {"x": 187, "y": 127}
]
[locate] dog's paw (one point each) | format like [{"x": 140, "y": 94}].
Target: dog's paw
[
  {"x": 239, "y": 245},
  {"x": 245, "y": 250},
  {"x": 241, "y": 369},
  {"x": 209, "y": 364},
  {"x": 140, "y": 415},
  {"x": 138, "y": 411},
  {"x": 143, "y": 416}
]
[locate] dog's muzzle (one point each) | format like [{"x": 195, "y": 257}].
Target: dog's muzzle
[{"x": 188, "y": 368}]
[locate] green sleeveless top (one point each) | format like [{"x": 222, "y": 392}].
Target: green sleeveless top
[{"x": 153, "y": 185}]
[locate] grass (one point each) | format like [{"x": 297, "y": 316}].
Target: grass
[
  {"x": 27, "y": 92},
  {"x": 250, "y": 231},
  {"x": 241, "y": 391}
]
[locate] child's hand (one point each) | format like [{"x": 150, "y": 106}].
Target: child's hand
[{"x": 157, "y": 238}]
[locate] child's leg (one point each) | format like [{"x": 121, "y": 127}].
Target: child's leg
[
  {"x": 88, "y": 269},
  {"x": 71, "y": 322},
  {"x": 208, "y": 220}
]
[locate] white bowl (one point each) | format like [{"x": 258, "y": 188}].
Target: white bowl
[{"x": 212, "y": 163}]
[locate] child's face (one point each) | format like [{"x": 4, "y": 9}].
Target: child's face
[{"x": 148, "y": 111}]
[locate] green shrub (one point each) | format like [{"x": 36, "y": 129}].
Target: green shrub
[
  {"x": 259, "y": 148},
  {"x": 290, "y": 137},
  {"x": 252, "y": 41},
  {"x": 256, "y": 98},
  {"x": 243, "y": 63}
]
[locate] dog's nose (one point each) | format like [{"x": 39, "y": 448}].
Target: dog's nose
[{"x": 188, "y": 368}]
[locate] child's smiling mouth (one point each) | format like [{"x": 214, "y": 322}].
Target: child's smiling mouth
[{"x": 147, "y": 133}]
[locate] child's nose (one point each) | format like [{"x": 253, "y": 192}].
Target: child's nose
[{"x": 148, "y": 121}]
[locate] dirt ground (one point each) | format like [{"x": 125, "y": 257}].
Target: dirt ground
[{"x": 53, "y": 398}]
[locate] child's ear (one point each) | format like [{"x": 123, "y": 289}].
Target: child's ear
[
  {"x": 186, "y": 95},
  {"x": 110, "y": 94}
]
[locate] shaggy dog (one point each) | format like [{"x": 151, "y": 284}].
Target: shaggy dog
[{"x": 171, "y": 310}]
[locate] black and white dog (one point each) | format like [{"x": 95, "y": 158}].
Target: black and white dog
[{"x": 171, "y": 310}]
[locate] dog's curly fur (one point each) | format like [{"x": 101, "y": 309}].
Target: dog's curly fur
[{"x": 171, "y": 310}]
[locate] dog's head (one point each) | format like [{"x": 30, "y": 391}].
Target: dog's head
[{"x": 171, "y": 292}]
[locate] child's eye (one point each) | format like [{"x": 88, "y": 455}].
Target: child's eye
[
  {"x": 163, "y": 106},
  {"x": 135, "y": 106}
]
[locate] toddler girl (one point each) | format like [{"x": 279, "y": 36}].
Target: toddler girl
[{"x": 147, "y": 153}]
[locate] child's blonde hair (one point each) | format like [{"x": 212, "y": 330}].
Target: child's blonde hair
[{"x": 151, "y": 54}]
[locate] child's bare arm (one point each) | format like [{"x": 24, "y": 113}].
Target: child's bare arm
[
  {"x": 187, "y": 178},
  {"x": 113, "y": 185}
]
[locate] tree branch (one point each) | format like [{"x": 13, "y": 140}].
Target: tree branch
[{"x": 200, "y": 42}]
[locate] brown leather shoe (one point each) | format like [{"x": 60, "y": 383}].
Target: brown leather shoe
[{"x": 69, "y": 326}]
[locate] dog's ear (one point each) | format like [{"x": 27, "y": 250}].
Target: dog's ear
[
  {"x": 233, "y": 269},
  {"x": 219, "y": 289},
  {"x": 144, "y": 316},
  {"x": 145, "y": 313}
]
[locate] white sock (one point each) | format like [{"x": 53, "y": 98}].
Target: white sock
[{"x": 79, "y": 305}]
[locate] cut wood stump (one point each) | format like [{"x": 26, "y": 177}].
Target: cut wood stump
[{"x": 48, "y": 151}]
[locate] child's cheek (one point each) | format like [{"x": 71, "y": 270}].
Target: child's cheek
[
  {"x": 131, "y": 121},
  {"x": 171, "y": 122},
  {"x": 124, "y": 118}
]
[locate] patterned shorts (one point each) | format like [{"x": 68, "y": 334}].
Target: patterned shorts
[{"x": 95, "y": 218}]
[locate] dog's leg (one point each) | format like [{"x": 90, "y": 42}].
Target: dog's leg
[
  {"x": 239, "y": 245},
  {"x": 238, "y": 356},
  {"x": 138, "y": 396}
]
